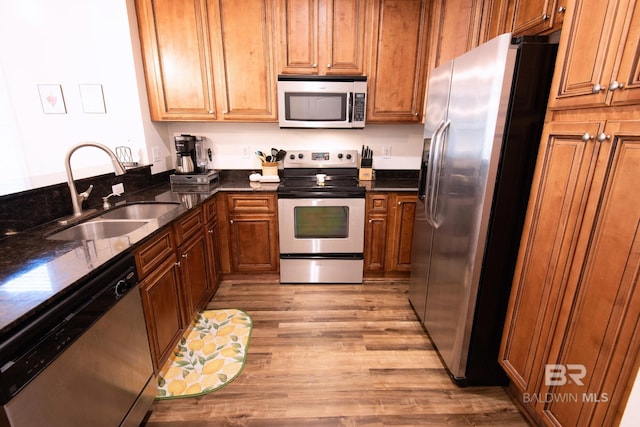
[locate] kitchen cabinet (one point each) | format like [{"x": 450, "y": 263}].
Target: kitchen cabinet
[
  {"x": 574, "y": 304},
  {"x": 178, "y": 276},
  {"x": 323, "y": 37},
  {"x": 160, "y": 287},
  {"x": 213, "y": 237},
  {"x": 527, "y": 17},
  {"x": 455, "y": 29},
  {"x": 201, "y": 63},
  {"x": 398, "y": 62},
  {"x": 250, "y": 224},
  {"x": 598, "y": 55},
  {"x": 388, "y": 234}
]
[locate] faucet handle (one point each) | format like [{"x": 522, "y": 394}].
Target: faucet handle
[{"x": 86, "y": 193}]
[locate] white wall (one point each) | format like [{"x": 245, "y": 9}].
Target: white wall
[
  {"x": 230, "y": 141},
  {"x": 73, "y": 42},
  {"x": 68, "y": 43}
]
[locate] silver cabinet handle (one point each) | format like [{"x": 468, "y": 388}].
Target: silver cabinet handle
[
  {"x": 597, "y": 88},
  {"x": 314, "y": 65},
  {"x": 586, "y": 136},
  {"x": 370, "y": 221},
  {"x": 178, "y": 264},
  {"x": 615, "y": 85},
  {"x": 185, "y": 255},
  {"x": 328, "y": 65},
  {"x": 603, "y": 137},
  {"x": 230, "y": 221},
  {"x": 545, "y": 17},
  {"x": 562, "y": 9}
]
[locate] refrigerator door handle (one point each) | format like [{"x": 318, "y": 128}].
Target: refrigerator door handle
[
  {"x": 429, "y": 171},
  {"x": 436, "y": 167}
]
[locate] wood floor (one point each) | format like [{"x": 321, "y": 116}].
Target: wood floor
[{"x": 336, "y": 355}]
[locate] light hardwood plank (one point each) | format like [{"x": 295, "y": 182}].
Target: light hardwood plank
[{"x": 336, "y": 355}]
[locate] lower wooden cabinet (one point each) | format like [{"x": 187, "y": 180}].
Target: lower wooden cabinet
[
  {"x": 179, "y": 275},
  {"x": 388, "y": 234},
  {"x": 571, "y": 345},
  {"x": 162, "y": 304},
  {"x": 249, "y": 231}
]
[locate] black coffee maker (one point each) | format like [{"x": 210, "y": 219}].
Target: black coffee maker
[{"x": 186, "y": 154}]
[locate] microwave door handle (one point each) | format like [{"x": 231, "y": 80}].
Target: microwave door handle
[
  {"x": 350, "y": 107},
  {"x": 429, "y": 171}
]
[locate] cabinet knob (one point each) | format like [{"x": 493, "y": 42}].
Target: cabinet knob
[
  {"x": 210, "y": 231},
  {"x": 597, "y": 88},
  {"x": 314, "y": 65},
  {"x": 603, "y": 137},
  {"x": 614, "y": 85},
  {"x": 185, "y": 255},
  {"x": 562, "y": 9},
  {"x": 545, "y": 17},
  {"x": 230, "y": 221},
  {"x": 328, "y": 65},
  {"x": 370, "y": 221},
  {"x": 210, "y": 111},
  {"x": 178, "y": 264},
  {"x": 587, "y": 136}
]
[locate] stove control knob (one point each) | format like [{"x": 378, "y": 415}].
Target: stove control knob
[
  {"x": 292, "y": 156},
  {"x": 300, "y": 155},
  {"x": 348, "y": 156},
  {"x": 339, "y": 155}
]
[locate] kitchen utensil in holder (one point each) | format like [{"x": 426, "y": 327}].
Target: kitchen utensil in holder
[{"x": 366, "y": 170}]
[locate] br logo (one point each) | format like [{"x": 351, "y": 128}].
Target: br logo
[{"x": 555, "y": 375}]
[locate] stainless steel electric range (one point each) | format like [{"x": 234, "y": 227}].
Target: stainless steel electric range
[{"x": 321, "y": 218}]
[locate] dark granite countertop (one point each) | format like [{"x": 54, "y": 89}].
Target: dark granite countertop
[{"x": 35, "y": 272}]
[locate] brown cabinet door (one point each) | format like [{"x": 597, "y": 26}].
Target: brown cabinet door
[
  {"x": 455, "y": 29},
  {"x": 244, "y": 44},
  {"x": 531, "y": 17},
  {"x": 161, "y": 298},
  {"x": 375, "y": 233},
  {"x": 396, "y": 82},
  {"x": 401, "y": 234},
  {"x": 600, "y": 343},
  {"x": 253, "y": 243},
  {"x": 323, "y": 36},
  {"x": 558, "y": 196},
  {"x": 593, "y": 33},
  {"x": 177, "y": 59},
  {"x": 213, "y": 237},
  {"x": 626, "y": 73},
  {"x": 194, "y": 267}
]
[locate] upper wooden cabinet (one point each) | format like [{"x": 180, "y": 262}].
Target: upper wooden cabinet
[
  {"x": 531, "y": 17},
  {"x": 202, "y": 63},
  {"x": 323, "y": 37},
  {"x": 455, "y": 28},
  {"x": 599, "y": 59},
  {"x": 397, "y": 73}
]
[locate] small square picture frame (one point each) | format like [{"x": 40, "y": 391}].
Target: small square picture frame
[
  {"x": 92, "y": 99},
  {"x": 52, "y": 99}
]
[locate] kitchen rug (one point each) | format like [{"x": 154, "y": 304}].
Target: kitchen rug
[{"x": 210, "y": 355}]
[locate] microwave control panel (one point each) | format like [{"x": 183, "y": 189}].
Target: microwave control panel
[{"x": 358, "y": 107}]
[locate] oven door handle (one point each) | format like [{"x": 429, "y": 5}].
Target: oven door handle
[{"x": 429, "y": 172}]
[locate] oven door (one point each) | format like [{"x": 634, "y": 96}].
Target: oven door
[{"x": 321, "y": 226}]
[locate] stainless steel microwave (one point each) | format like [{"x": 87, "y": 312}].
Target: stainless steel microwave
[{"x": 322, "y": 101}]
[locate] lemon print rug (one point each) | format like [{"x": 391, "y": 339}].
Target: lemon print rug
[{"x": 210, "y": 355}]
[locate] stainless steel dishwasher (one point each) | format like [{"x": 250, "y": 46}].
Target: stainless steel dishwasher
[{"x": 84, "y": 362}]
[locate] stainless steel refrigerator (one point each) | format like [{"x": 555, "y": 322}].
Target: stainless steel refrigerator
[{"x": 484, "y": 116}]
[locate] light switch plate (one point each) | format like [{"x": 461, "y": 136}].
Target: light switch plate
[{"x": 386, "y": 152}]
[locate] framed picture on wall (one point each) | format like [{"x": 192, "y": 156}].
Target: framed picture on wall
[
  {"x": 52, "y": 99},
  {"x": 92, "y": 99}
]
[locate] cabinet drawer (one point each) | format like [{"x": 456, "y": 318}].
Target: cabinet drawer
[
  {"x": 189, "y": 225},
  {"x": 377, "y": 203},
  {"x": 209, "y": 209},
  {"x": 149, "y": 256},
  {"x": 262, "y": 203}
]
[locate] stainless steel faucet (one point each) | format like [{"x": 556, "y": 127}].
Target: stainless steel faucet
[{"x": 77, "y": 199}]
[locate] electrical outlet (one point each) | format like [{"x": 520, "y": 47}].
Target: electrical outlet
[
  {"x": 155, "y": 154},
  {"x": 245, "y": 151},
  {"x": 117, "y": 189},
  {"x": 386, "y": 152}
]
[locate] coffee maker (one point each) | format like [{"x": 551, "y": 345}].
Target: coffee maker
[
  {"x": 185, "y": 154},
  {"x": 191, "y": 161}
]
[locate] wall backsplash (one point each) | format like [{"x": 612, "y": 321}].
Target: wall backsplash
[{"x": 28, "y": 209}]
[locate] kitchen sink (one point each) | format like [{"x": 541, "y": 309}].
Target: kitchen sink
[
  {"x": 140, "y": 211},
  {"x": 98, "y": 229}
]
